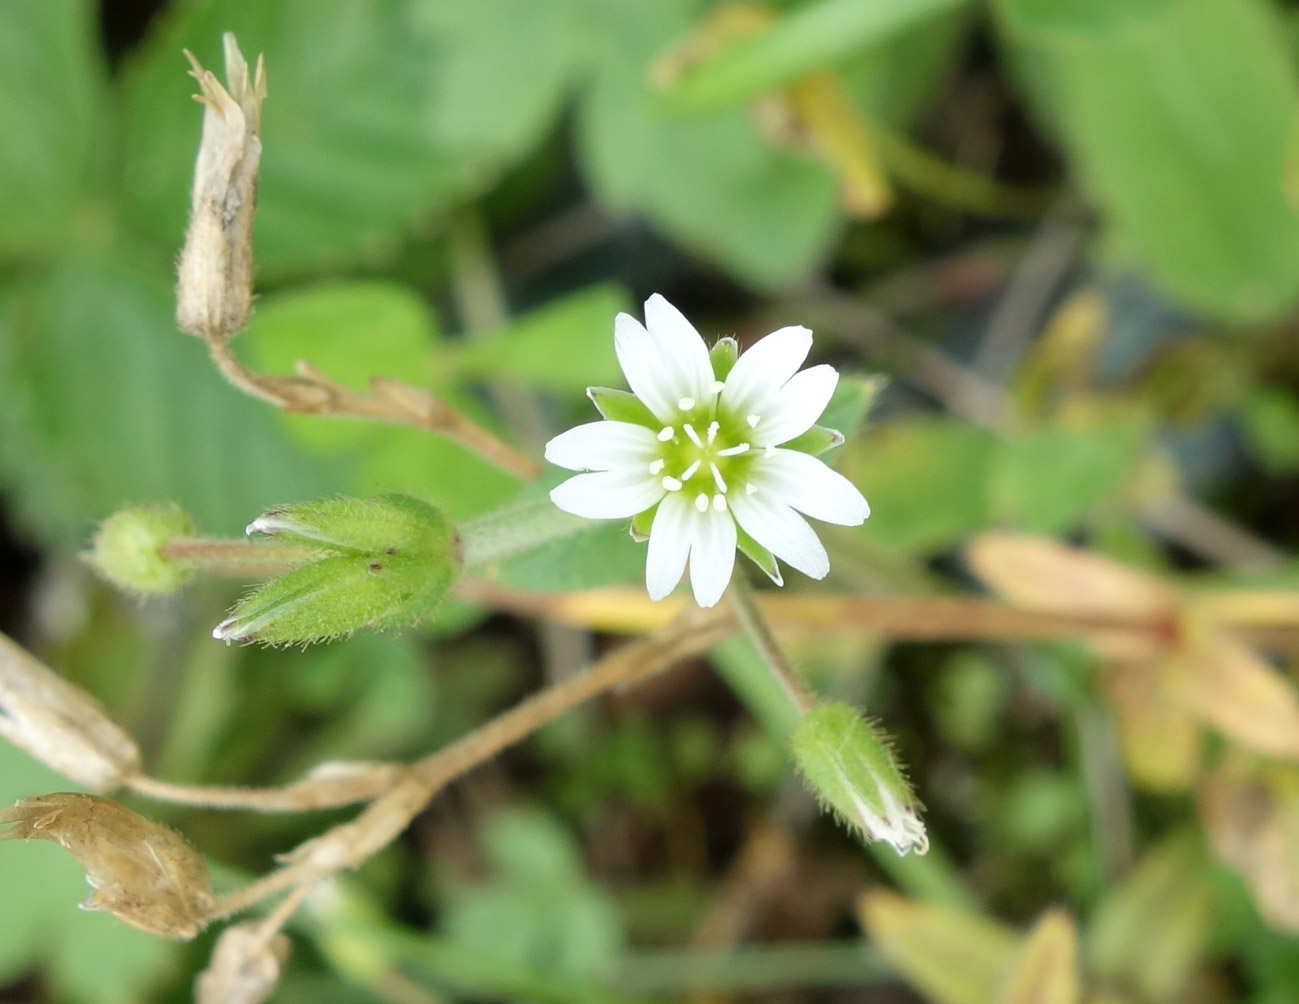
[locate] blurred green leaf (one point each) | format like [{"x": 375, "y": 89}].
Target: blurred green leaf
[
  {"x": 351, "y": 156},
  {"x": 1078, "y": 15},
  {"x": 51, "y": 82},
  {"x": 808, "y": 37},
  {"x": 708, "y": 180},
  {"x": 1178, "y": 121},
  {"x": 104, "y": 403},
  {"x": 1269, "y": 418},
  {"x": 565, "y": 346}
]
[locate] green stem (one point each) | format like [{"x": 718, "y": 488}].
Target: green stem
[
  {"x": 240, "y": 559},
  {"x": 513, "y": 529},
  {"x": 756, "y": 629}
]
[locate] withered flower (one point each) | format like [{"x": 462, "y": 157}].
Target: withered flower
[
  {"x": 142, "y": 872},
  {"x": 245, "y": 966},
  {"x": 214, "y": 288},
  {"x": 59, "y": 724}
]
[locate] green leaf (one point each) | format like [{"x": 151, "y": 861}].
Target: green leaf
[
  {"x": 1269, "y": 418},
  {"x": 810, "y": 36},
  {"x": 350, "y": 156},
  {"x": 103, "y": 404},
  {"x": 1178, "y": 122},
  {"x": 1077, "y": 15},
  {"x": 707, "y": 180},
  {"x": 50, "y": 81},
  {"x": 565, "y": 346}
]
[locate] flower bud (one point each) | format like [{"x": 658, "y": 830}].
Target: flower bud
[
  {"x": 214, "y": 288},
  {"x": 387, "y": 562},
  {"x": 849, "y": 764},
  {"x": 60, "y": 725},
  {"x": 245, "y": 966},
  {"x": 129, "y": 549},
  {"x": 142, "y": 872}
]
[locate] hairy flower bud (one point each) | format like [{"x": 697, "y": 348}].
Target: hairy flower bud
[
  {"x": 245, "y": 966},
  {"x": 851, "y": 767},
  {"x": 60, "y": 725},
  {"x": 128, "y": 549},
  {"x": 142, "y": 872},
  {"x": 214, "y": 288}
]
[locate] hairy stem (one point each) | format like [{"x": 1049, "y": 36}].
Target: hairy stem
[
  {"x": 755, "y": 628},
  {"x": 242, "y": 559},
  {"x": 514, "y": 528}
]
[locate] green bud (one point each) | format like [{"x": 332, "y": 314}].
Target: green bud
[
  {"x": 385, "y": 562},
  {"x": 129, "y": 548},
  {"x": 850, "y": 765}
]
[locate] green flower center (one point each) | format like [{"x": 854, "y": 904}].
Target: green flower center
[{"x": 707, "y": 452}]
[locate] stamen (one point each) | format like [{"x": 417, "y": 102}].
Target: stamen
[
  {"x": 734, "y": 451},
  {"x": 750, "y": 488},
  {"x": 719, "y": 503},
  {"x": 753, "y": 421},
  {"x": 686, "y": 403},
  {"x": 656, "y": 468},
  {"x": 689, "y": 472},
  {"x": 666, "y": 433},
  {"x": 671, "y": 484},
  {"x": 694, "y": 436},
  {"x": 701, "y": 502},
  {"x": 712, "y": 431},
  {"x": 770, "y": 451},
  {"x": 717, "y": 477},
  {"x": 716, "y": 386}
]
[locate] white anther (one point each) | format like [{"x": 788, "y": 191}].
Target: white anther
[
  {"x": 750, "y": 488},
  {"x": 734, "y": 451},
  {"x": 753, "y": 421},
  {"x": 716, "y": 386},
  {"x": 712, "y": 431},
  {"x": 686, "y": 403},
  {"x": 689, "y": 472},
  {"x": 719, "y": 503},
  {"x": 666, "y": 433},
  {"x": 671, "y": 484},
  {"x": 694, "y": 436},
  {"x": 770, "y": 451},
  {"x": 717, "y": 477},
  {"x": 656, "y": 468},
  {"x": 701, "y": 502}
]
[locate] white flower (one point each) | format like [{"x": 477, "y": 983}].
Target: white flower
[{"x": 710, "y": 452}]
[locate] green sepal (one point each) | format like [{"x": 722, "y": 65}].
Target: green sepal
[
  {"x": 723, "y": 356},
  {"x": 815, "y": 441},
  {"x": 622, "y": 406},
  {"x": 384, "y": 525},
  {"x": 851, "y": 767},
  {"x": 337, "y": 595},
  {"x": 641, "y": 523},
  {"x": 759, "y": 555}
]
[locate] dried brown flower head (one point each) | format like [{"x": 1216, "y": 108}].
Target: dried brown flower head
[{"x": 245, "y": 966}]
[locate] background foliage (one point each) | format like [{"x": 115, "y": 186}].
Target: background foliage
[{"x": 1065, "y": 228}]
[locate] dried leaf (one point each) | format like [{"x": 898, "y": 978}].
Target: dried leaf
[
  {"x": 1251, "y": 813},
  {"x": 245, "y": 966},
  {"x": 1046, "y": 971},
  {"x": 1234, "y": 689},
  {"x": 62, "y": 726},
  {"x": 1162, "y": 741},
  {"x": 142, "y": 872},
  {"x": 950, "y": 956}
]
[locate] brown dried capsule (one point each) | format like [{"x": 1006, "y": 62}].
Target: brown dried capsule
[{"x": 245, "y": 966}]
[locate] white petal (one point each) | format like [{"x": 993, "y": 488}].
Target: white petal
[
  {"x": 608, "y": 494},
  {"x": 811, "y": 487},
  {"x": 648, "y": 375},
  {"x": 603, "y": 446},
  {"x": 669, "y": 544},
  {"x": 797, "y": 406},
  {"x": 682, "y": 349},
  {"x": 761, "y": 370},
  {"x": 781, "y": 531},
  {"x": 712, "y": 555}
]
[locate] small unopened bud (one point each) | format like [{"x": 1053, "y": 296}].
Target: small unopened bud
[
  {"x": 245, "y": 966},
  {"x": 142, "y": 872},
  {"x": 386, "y": 562},
  {"x": 61, "y": 726},
  {"x": 214, "y": 288},
  {"x": 130, "y": 549},
  {"x": 851, "y": 767}
]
